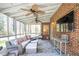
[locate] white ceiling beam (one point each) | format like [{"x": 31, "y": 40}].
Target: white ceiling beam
[
  {"x": 21, "y": 17},
  {"x": 26, "y": 5},
  {"x": 27, "y": 19},
  {"x": 45, "y": 9},
  {"x": 52, "y": 9},
  {"x": 38, "y": 18},
  {"x": 22, "y": 14},
  {"x": 11, "y": 9},
  {"x": 33, "y": 20},
  {"x": 16, "y": 13},
  {"x": 31, "y": 16},
  {"x": 19, "y": 14},
  {"x": 43, "y": 19}
]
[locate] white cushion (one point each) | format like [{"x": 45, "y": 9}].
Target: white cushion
[
  {"x": 31, "y": 48},
  {"x": 34, "y": 41},
  {"x": 14, "y": 53},
  {"x": 24, "y": 43},
  {"x": 3, "y": 51}
]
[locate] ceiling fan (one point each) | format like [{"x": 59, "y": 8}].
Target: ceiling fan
[{"x": 35, "y": 10}]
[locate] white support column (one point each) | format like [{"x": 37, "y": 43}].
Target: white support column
[
  {"x": 15, "y": 27},
  {"x": 54, "y": 44},
  {"x": 25, "y": 29},
  {"x": 8, "y": 26},
  {"x": 65, "y": 48},
  {"x": 60, "y": 48}
]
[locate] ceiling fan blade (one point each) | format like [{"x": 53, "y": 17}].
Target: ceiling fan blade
[
  {"x": 28, "y": 14},
  {"x": 39, "y": 21},
  {"x": 40, "y": 12},
  {"x": 25, "y": 9},
  {"x": 35, "y": 7}
]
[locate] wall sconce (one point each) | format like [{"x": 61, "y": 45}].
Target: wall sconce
[
  {"x": 44, "y": 30},
  {"x": 53, "y": 24}
]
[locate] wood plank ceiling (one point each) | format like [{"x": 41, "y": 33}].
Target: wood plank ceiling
[{"x": 14, "y": 10}]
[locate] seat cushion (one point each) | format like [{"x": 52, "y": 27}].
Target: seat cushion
[
  {"x": 3, "y": 51},
  {"x": 25, "y": 43},
  {"x": 31, "y": 48}
]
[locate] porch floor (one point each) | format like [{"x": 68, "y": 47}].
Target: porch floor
[{"x": 45, "y": 48}]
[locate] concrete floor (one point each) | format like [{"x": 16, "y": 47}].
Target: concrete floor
[{"x": 44, "y": 49}]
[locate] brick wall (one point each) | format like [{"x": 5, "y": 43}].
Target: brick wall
[
  {"x": 74, "y": 36},
  {"x": 73, "y": 46}
]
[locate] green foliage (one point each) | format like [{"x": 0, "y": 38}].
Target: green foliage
[{"x": 2, "y": 43}]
